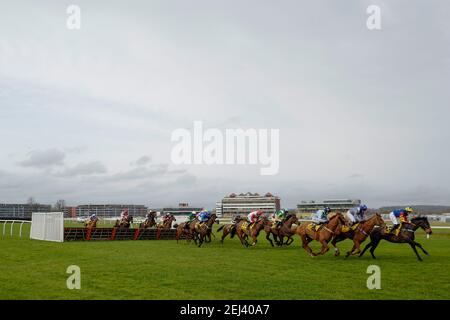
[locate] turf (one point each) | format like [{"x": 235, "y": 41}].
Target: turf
[{"x": 31, "y": 269}]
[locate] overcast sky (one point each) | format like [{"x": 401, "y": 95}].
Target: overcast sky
[{"x": 87, "y": 115}]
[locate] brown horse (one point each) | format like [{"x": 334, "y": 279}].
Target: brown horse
[
  {"x": 149, "y": 222},
  {"x": 202, "y": 230},
  {"x": 124, "y": 223},
  {"x": 286, "y": 229},
  {"x": 279, "y": 232},
  {"x": 167, "y": 223},
  {"x": 358, "y": 234},
  {"x": 243, "y": 230},
  {"x": 226, "y": 230},
  {"x": 184, "y": 228},
  {"x": 325, "y": 233},
  {"x": 405, "y": 235},
  {"x": 88, "y": 223}
]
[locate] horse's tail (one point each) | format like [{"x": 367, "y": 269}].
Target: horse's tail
[{"x": 220, "y": 228}]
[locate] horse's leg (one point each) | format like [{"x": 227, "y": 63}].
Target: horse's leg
[
  {"x": 349, "y": 253},
  {"x": 413, "y": 246},
  {"x": 289, "y": 241},
  {"x": 365, "y": 248},
  {"x": 243, "y": 241},
  {"x": 281, "y": 239},
  {"x": 337, "y": 252},
  {"x": 324, "y": 248},
  {"x": 421, "y": 248},
  {"x": 305, "y": 241},
  {"x": 224, "y": 234},
  {"x": 268, "y": 238},
  {"x": 375, "y": 243},
  {"x": 357, "y": 245},
  {"x": 201, "y": 239}
]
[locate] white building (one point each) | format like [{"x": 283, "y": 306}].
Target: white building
[{"x": 242, "y": 204}]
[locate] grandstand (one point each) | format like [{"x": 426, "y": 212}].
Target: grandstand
[{"x": 242, "y": 204}]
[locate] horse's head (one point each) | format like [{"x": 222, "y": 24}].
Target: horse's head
[
  {"x": 422, "y": 222},
  {"x": 378, "y": 219},
  {"x": 292, "y": 218}
]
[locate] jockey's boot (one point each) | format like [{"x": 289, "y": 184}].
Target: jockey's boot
[{"x": 394, "y": 228}]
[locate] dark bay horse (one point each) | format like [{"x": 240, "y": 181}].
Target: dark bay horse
[
  {"x": 149, "y": 222},
  {"x": 405, "y": 235},
  {"x": 243, "y": 230},
  {"x": 326, "y": 232},
  {"x": 358, "y": 234},
  {"x": 125, "y": 223}
]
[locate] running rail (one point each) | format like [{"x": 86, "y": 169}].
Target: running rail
[{"x": 12, "y": 226}]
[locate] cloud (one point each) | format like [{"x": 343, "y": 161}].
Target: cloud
[
  {"x": 83, "y": 169},
  {"x": 44, "y": 159},
  {"x": 142, "y": 161}
]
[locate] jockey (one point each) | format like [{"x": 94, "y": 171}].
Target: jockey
[
  {"x": 191, "y": 217},
  {"x": 400, "y": 214},
  {"x": 204, "y": 216},
  {"x": 321, "y": 216},
  {"x": 93, "y": 217},
  {"x": 279, "y": 216},
  {"x": 254, "y": 216},
  {"x": 124, "y": 215},
  {"x": 356, "y": 214}
]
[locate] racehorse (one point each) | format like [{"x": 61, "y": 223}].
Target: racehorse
[
  {"x": 243, "y": 231},
  {"x": 405, "y": 235},
  {"x": 358, "y": 234},
  {"x": 226, "y": 230},
  {"x": 149, "y": 222},
  {"x": 324, "y": 234},
  {"x": 184, "y": 229},
  {"x": 280, "y": 232},
  {"x": 88, "y": 223},
  {"x": 201, "y": 230},
  {"x": 227, "y": 227},
  {"x": 124, "y": 223},
  {"x": 167, "y": 223}
]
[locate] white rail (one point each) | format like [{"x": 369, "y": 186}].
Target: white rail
[{"x": 12, "y": 226}]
